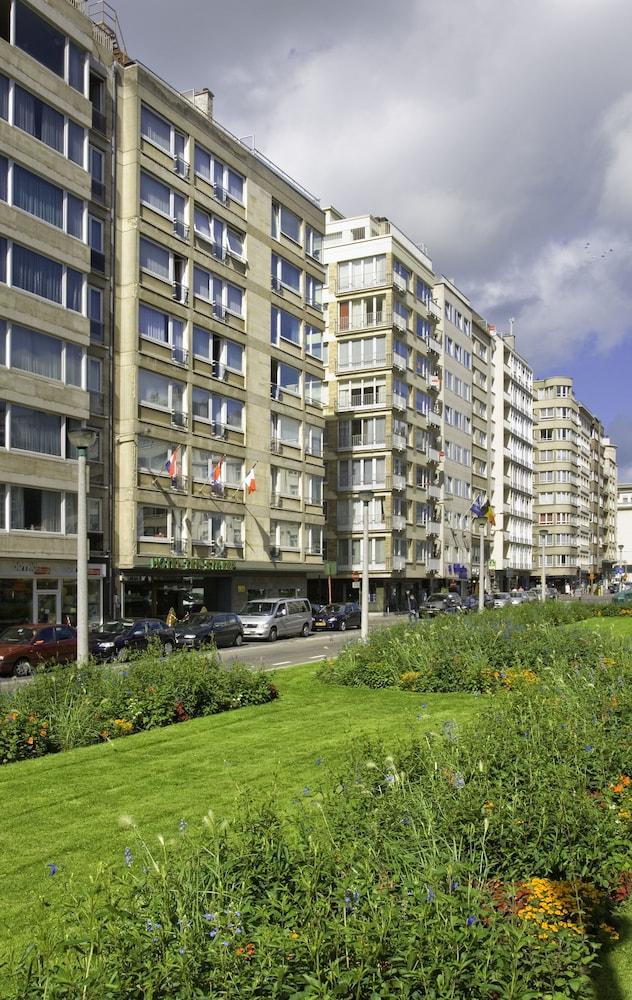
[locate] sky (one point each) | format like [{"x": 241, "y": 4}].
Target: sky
[{"x": 495, "y": 132}]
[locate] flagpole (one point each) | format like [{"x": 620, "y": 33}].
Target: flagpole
[{"x": 481, "y": 563}]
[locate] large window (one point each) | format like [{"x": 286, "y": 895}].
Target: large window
[
  {"x": 39, "y": 197},
  {"x": 285, "y": 274},
  {"x": 203, "y": 463},
  {"x": 155, "y": 259},
  {"x": 286, "y": 482},
  {"x": 153, "y": 523},
  {"x": 285, "y": 535},
  {"x": 221, "y": 353},
  {"x": 217, "y": 529},
  {"x": 33, "y": 430},
  {"x": 219, "y": 411},
  {"x": 284, "y": 378},
  {"x": 32, "y": 272},
  {"x": 224, "y": 296},
  {"x": 314, "y": 342},
  {"x": 286, "y": 223},
  {"x": 286, "y": 430},
  {"x": 160, "y": 391},
  {"x": 43, "y": 122},
  {"x": 39, "y": 39},
  {"x": 152, "y": 455},
  {"x": 35, "y": 510},
  {"x": 163, "y": 328},
  {"x": 284, "y": 326},
  {"x": 227, "y": 183},
  {"x": 36, "y": 353},
  {"x": 224, "y": 241}
]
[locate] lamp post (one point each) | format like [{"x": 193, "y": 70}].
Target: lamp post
[
  {"x": 82, "y": 439},
  {"x": 621, "y": 564},
  {"x": 481, "y": 563},
  {"x": 364, "y": 619},
  {"x": 542, "y": 567}
]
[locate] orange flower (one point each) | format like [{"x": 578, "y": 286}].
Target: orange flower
[{"x": 30, "y": 741}]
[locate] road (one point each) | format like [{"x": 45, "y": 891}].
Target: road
[{"x": 271, "y": 655}]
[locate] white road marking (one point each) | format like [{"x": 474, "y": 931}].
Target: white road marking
[
  {"x": 316, "y": 657},
  {"x": 281, "y": 663}
]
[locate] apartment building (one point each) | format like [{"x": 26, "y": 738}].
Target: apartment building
[
  {"x": 219, "y": 374},
  {"x": 575, "y": 488},
  {"x": 483, "y": 458},
  {"x": 383, "y": 428},
  {"x": 56, "y": 93},
  {"x": 624, "y": 530},
  {"x": 454, "y": 422},
  {"x": 513, "y": 462}
]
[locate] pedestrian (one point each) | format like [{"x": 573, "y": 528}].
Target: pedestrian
[
  {"x": 394, "y": 601},
  {"x": 171, "y": 617},
  {"x": 413, "y": 608}
]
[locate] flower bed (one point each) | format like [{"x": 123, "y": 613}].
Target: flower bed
[
  {"x": 472, "y": 653},
  {"x": 483, "y": 862},
  {"x": 77, "y": 706}
]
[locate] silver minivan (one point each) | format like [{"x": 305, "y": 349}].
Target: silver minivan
[{"x": 276, "y": 617}]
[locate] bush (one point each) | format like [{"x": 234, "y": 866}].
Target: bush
[
  {"x": 480, "y": 862},
  {"x": 80, "y": 705}
]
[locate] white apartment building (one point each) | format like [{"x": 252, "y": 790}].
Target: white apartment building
[
  {"x": 512, "y": 496},
  {"x": 623, "y": 558}
]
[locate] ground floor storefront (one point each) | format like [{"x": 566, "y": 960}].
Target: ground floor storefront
[
  {"x": 188, "y": 585},
  {"x": 46, "y": 591}
]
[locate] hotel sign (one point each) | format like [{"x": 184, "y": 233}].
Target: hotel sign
[{"x": 175, "y": 562}]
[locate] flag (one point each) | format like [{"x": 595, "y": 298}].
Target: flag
[
  {"x": 489, "y": 514},
  {"x": 477, "y": 507},
  {"x": 249, "y": 483},
  {"x": 217, "y": 477},
  {"x": 171, "y": 465}
]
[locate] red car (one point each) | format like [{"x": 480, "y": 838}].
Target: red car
[{"x": 24, "y": 647}]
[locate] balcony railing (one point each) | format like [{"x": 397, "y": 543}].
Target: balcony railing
[
  {"x": 399, "y": 323},
  {"x": 365, "y": 400},
  {"x": 398, "y": 522},
  {"x": 399, "y": 482},
  {"x": 399, "y": 442},
  {"x": 179, "y": 356},
  {"x": 179, "y": 292},
  {"x": 434, "y": 565},
  {"x": 348, "y": 324},
  {"x": 399, "y": 402},
  {"x": 433, "y": 527},
  {"x": 399, "y": 283},
  {"x": 180, "y": 166},
  {"x": 352, "y": 284},
  {"x": 358, "y": 364},
  {"x": 180, "y": 229},
  {"x": 399, "y": 563},
  {"x": 347, "y": 524}
]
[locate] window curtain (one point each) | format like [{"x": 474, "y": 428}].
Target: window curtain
[
  {"x": 155, "y": 194},
  {"x": 36, "y": 353},
  {"x": 154, "y": 324},
  {"x": 202, "y": 163},
  {"x": 201, "y": 403},
  {"x": 37, "y": 274},
  {"x": 74, "y": 290},
  {"x": 202, "y": 283},
  {"x": 37, "y": 37},
  {"x": 155, "y": 128},
  {"x": 235, "y": 185},
  {"x": 4, "y": 97},
  {"x": 32, "y": 430},
  {"x": 154, "y": 258},
  {"x": 37, "y": 197},
  {"x": 76, "y": 143},
  {"x": 71, "y": 514},
  {"x": 74, "y": 216},
  {"x": 202, "y": 343}
]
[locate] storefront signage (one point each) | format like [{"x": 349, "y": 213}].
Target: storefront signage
[
  {"x": 65, "y": 570},
  {"x": 165, "y": 562}
]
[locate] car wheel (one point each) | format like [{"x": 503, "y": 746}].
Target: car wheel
[
  {"x": 343, "y": 626},
  {"x": 122, "y": 654},
  {"x": 305, "y": 630},
  {"x": 273, "y": 635},
  {"x": 23, "y": 668},
  {"x": 167, "y": 648},
  {"x": 238, "y": 639}
]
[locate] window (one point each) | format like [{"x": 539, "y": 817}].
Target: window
[
  {"x": 284, "y": 378},
  {"x": 285, "y": 535},
  {"x": 313, "y": 291},
  {"x": 423, "y": 291},
  {"x": 36, "y": 353},
  {"x": 223, "y": 296},
  {"x": 96, "y": 161},
  {"x": 33, "y": 430},
  {"x": 39, "y": 39},
  {"x": 313, "y": 242},
  {"x": 288, "y": 431},
  {"x": 4, "y": 177},
  {"x": 286, "y": 482},
  {"x": 163, "y": 328},
  {"x": 155, "y": 129},
  {"x": 76, "y": 143},
  {"x": 314, "y": 342},
  {"x": 153, "y": 523},
  {"x": 32, "y": 272},
  {"x": 219, "y": 411},
  {"x": 314, "y": 440},
  {"x": 74, "y": 364},
  {"x": 227, "y": 183},
  {"x": 286, "y": 223},
  {"x": 4, "y": 97},
  {"x": 160, "y": 391},
  {"x": 223, "y": 354},
  {"x": 76, "y": 67},
  {"x": 313, "y": 390},
  {"x": 155, "y": 259},
  {"x": 315, "y": 489},
  {"x": 285, "y": 275},
  {"x": 155, "y": 194},
  {"x": 284, "y": 326},
  {"x": 35, "y": 510},
  {"x": 38, "y": 119}
]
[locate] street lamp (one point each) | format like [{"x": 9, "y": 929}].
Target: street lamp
[
  {"x": 82, "y": 439},
  {"x": 481, "y": 562},
  {"x": 621, "y": 564},
  {"x": 542, "y": 567},
  {"x": 367, "y": 498}
]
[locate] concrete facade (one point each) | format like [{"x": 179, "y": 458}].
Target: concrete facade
[
  {"x": 624, "y": 530},
  {"x": 219, "y": 362},
  {"x": 55, "y": 346}
]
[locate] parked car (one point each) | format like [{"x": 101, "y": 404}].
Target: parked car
[
  {"x": 316, "y": 607},
  {"x": 273, "y": 618},
  {"x": 339, "y": 617},
  {"x": 23, "y": 648},
  {"x": 517, "y": 597},
  {"x": 471, "y": 603},
  {"x": 502, "y": 600},
  {"x": 116, "y": 640},
  {"x": 623, "y": 597},
  {"x": 216, "y": 627},
  {"x": 440, "y": 603}
]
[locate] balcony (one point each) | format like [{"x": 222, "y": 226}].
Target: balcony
[
  {"x": 399, "y": 482},
  {"x": 433, "y": 527},
  {"x": 399, "y": 283},
  {"x": 433, "y": 455},
  {"x": 434, "y": 565},
  {"x": 399, "y": 362},
  {"x": 398, "y": 522},
  {"x": 434, "y": 345},
  {"x": 356, "y": 525},
  {"x": 399, "y": 402},
  {"x": 360, "y": 364},
  {"x": 434, "y": 491},
  {"x": 363, "y": 441},
  {"x": 349, "y": 324},
  {"x": 179, "y": 356},
  {"x": 362, "y": 401},
  {"x": 399, "y": 442},
  {"x": 352, "y": 284},
  {"x": 178, "y": 547},
  {"x": 399, "y": 563},
  {"x": 434, "y": 308},
  {"x": 399, "y": 323},
  {"x": 434, "y": 418}
]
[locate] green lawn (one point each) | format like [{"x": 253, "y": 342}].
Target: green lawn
[{"x": 65, "y": 808}]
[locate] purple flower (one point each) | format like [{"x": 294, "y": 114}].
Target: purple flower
[
  {"x": 454, "y": 885},
  {"x": 470, "y": 921},
  {"x": 306, "y": 790},
  {"x": 128, "y": 857},
  {"x": 181, "y": 951},
  {"x": 318, "y": 761},
  {"x": 52, "y": 868},
  {"x": 182, "y": 825},
  {"x": 210, "y": 916},
  {"x": 212, "y": 933},
  {"x": 589, "y": 748},
  {"x": 430, "y": 895}
]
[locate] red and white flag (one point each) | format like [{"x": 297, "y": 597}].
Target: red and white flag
[
  {"x": 171, "y": 465},
  {"x": 249, "y": 482}
]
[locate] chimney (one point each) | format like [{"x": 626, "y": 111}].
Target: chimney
[{"x": 202, "y": 100}]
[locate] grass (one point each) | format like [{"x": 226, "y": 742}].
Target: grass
[{"x": 66, "y": 808}]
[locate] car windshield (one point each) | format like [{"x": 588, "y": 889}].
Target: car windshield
[
  {"x": 331, "y": 609},
  {"x": 258, "y": 608},
  {"x": 193, "y": 620},
  {"x": 18, "y": 634},
  {"x": 116, "y": 626},
  {"x": 502, "y": 596}
]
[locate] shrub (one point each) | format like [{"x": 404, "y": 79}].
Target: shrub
[{"x": 76, "y": 706}]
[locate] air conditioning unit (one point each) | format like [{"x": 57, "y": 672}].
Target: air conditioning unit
[{"x": 274, "y": 552}]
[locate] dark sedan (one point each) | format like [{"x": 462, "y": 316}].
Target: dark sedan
[
  {"x": 338, "y": 616},
  {"x": 118, "y": 640},
  {"x": 23, "y": 648},
  {"x": 218, "y": 628},
  {"x": 441, "y": 604}
]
